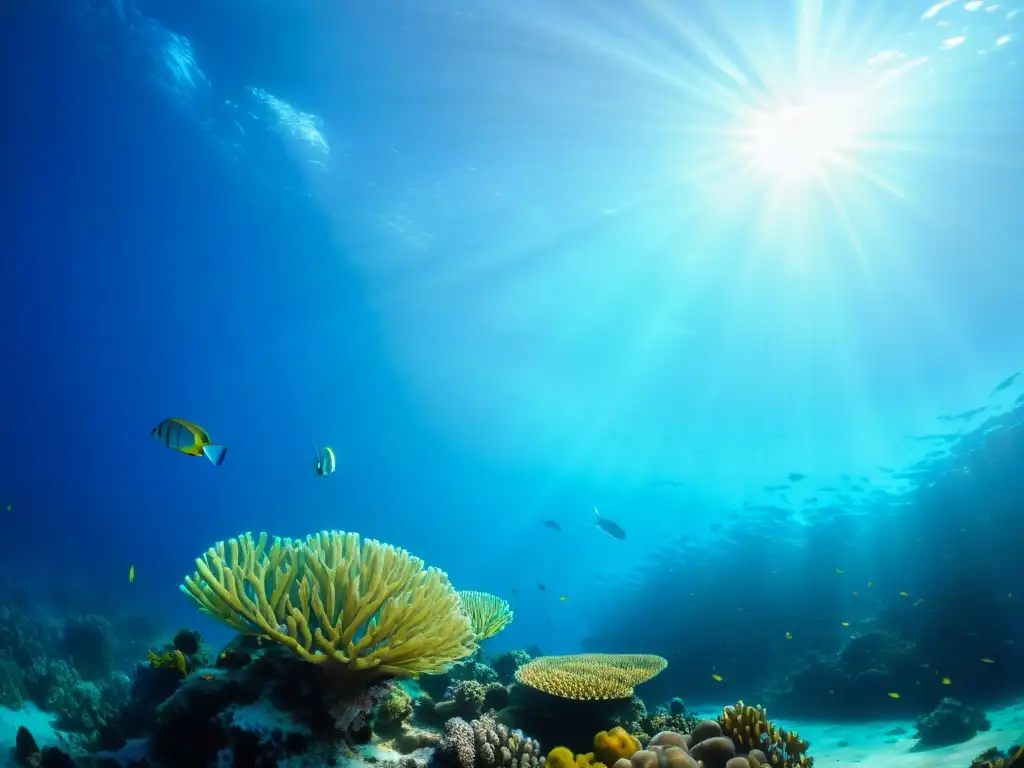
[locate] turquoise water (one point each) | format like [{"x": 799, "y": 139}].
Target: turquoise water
[{"x": 745, "y": 277}]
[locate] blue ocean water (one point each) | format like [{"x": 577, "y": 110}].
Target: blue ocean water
[{"x": 515, "y": 263}]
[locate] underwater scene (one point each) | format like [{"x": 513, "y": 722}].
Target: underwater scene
[{"x": 478, "y": 384}]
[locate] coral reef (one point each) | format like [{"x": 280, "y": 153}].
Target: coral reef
[
  {"x": 994, "y": 758},
  {"x": 485, "y": 743},
  {"x": 855, "y": 680},
  {"x": 488, "y": 613},
  {"x": 750, "y": 730},
  {"x": 590, "y": 675},
  {"x": 950, "y": 723},
  {"x": 507, "y": 664},
  {"x": 611, "y": 745},
  {"x": 367, "y": 608}
]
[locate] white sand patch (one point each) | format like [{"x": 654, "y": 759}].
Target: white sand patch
[{"x": 873, "y": 744}]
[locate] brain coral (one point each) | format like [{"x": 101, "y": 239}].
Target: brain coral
[
  {"x": 361, "y": 605},
  {"x": 590, "y": 675}
]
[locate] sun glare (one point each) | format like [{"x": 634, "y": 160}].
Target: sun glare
[{"x": 797, "y": 142}]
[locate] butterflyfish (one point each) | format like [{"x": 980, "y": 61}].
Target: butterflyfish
[
  {"x": 188, "y": 438},
  {"x": 325, "y": 462}
]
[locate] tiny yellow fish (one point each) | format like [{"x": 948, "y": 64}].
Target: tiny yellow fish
[
  {"x": 946, "y": 681},
  {"x": 716, "y": 677},
  {"x": 845, "y": 623},
  {"x": 563, "y": 598},
  {"x": 894, "y": 695},
  {"x": 870, "y": 583},
  {"x": 839, "y": 570},
  {"x": 789, "y": 635},
  {"x": 131, "y": 573},
  {"x": 904, "y": 594},
  {"x": 988, "y": 661}
]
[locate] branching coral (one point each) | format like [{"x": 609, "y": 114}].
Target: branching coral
[
  {"x": 367, "y": 607},
  {"x": 488, "y": 613},
  {"x": 590, "y": 675},
  {"x": 750, "y": 729},
  {"x": 484, "y": 743}
]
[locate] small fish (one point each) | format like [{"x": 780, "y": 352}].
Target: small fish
[
  {"x": 839, "y": 570},
  {"x": 831, "y": 691},
  {"x": 987, "y": 661},
  {"x": 855, "y": 593},
  {"x": 904, "y": 594},
  {"x": 553, "y": 525},
  {"x": 789, "y": 635},
  {"x": 946, "y": 681},
  {"x": 10, "y": 507},
  {"x": 870, "y": 583},
  {"x": 131, "y": 573},
  {"x": 845, "y": 623},
  {"x": 796, "y": 477},
  {"x": 612, "y": 529},
  {"x": 206, "y": 676},
  {"x": 188, "y": 438},
  {"x": 1006, "y": 383},
  {"x": 542, "y": 588},
  {"x": 563, "y": 598},
  {"x": 716, "y": 677},
  {"x": 894, "y": 695},
  {"x": 324, "y": 462}
]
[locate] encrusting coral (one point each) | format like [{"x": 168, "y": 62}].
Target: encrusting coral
[
  {"x": 368, "y": 608},
  {"x": 488, "y": 613},
  {"x": 590, "y": 675}
]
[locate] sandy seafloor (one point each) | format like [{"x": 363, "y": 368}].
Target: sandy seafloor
[
  {"x": 875, "y": 744},
  {"x": 879, "y": 743}
]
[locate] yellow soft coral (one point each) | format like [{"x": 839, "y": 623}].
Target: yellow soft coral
[
  {"x": 488, "y": 613},
  {"x": 364, "y": 606},
  {"x": 750, "y": 728},
  {"x": 562, "y": 757},
  {"x": 590, "y": 675},
  {"x": 609, "y": 746}
]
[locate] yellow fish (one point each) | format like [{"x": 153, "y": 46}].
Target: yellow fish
[
  {"x": 988, "y": 661},
  {"x": 839, "y": 570},
  {"x": 946, "y": 681},
  {"x": 789, "y": 636},
  {"x": 188, "y": 438},
  {"x": 845, "y": 623},
  {"x": 716, "y": 677},
  {"x": 904, "y": 594},
  {"x": 131, "y": 573},
  {"x": 563, "y": 598},
  {"x": 894, "y": 695}
]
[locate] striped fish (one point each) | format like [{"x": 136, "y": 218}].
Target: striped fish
[{"x": 188, "y": 438}]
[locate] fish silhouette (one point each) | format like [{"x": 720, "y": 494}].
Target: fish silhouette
[
  {"x": 611, "y": 528},
  {"x": 553, "y": 525}
]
